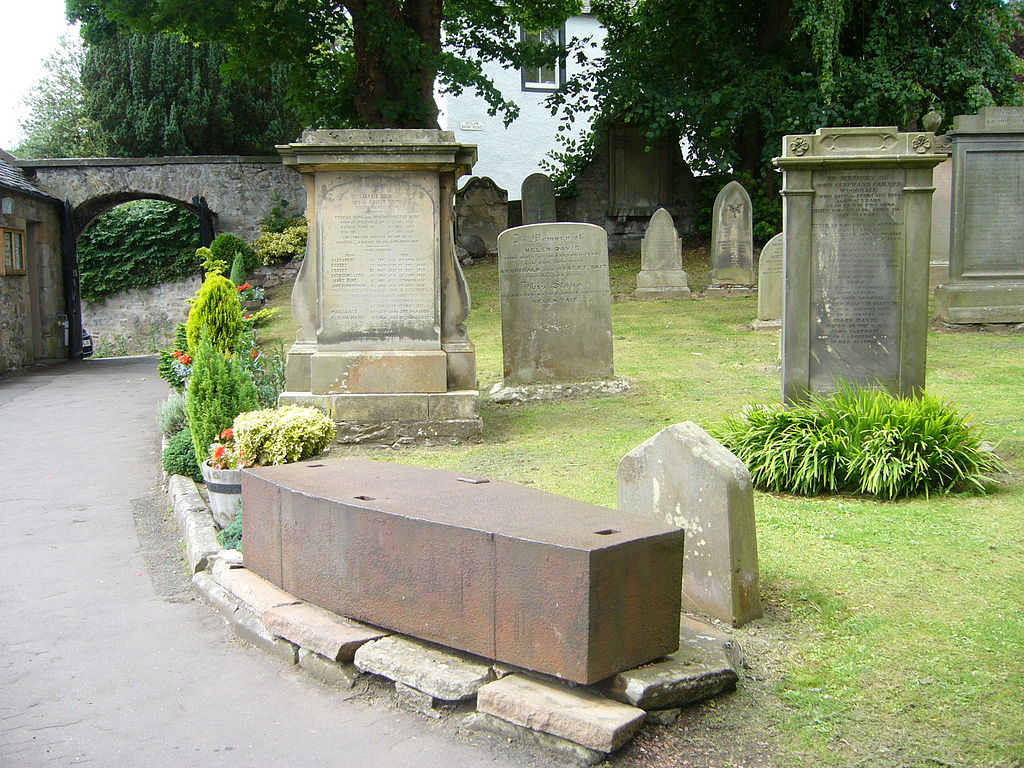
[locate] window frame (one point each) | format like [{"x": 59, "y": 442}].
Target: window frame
[
  {"x": 530, "y": 86},
  {"x": 12, "y": 236}
]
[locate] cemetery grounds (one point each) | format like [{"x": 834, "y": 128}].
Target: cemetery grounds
[{"x": 893, "y": 632}]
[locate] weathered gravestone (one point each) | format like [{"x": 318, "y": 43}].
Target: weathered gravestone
[
  {"x": 500, "y": 570},
  {"x": 380, "y": 299},
  {"x": 732, "y": 242},
  {"x": 538, "y": 196},
  {"x": 661, "y": 261},
  {"x": 481, "y": 211},
  {"x": 769, "y": 282},
  {"x": 684, "y": 477},
  {"x": 986, "y": 260},
  {"x": 556, "y": 321},
  {"x": 857, "y": 220}
]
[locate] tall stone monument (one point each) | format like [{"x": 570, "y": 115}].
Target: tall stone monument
[
  {"x": 380, "y": 300},
  {"x": 661, "y": 261},
  {"x": 538, "y": 196},
  {"x": 481, "y": 211},
  {"x": 556, "y": 304},
  {"x": 857, "y": 221},
  {"x": 986, "y": 260},
  {"x": 769, "y": 282},
  {"x": 732, "y": 242}
]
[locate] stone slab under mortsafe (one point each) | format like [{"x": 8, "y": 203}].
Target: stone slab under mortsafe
[
  {"x": 440, "y": 672},
  {"x": 329, "y": 634},
  {"x": 380, "y": 299},
  {"x": 769, "y": 280},
  {"x": 561, "y": 748},
  {"x": 499, "y": 570},
  {"x": 684, "y": 477},
  {"x": 481, "y": 211},
  {"x": 699, "y": 670},
  {"x": 254, "y": 590},
  {"x": 661, "y": 261},
  {"x": 556, "y": 303},
  {"x": 986, "y": 260},
  {"x": 732, "y": 238},
  {"x": 857, "y": 223},
  {"x": 575, "y": 714},
  {"x": 342, "y": 674},
  {"x": 538, "y": 196}
]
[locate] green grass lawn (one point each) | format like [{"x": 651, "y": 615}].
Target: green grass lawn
[{"x": 894, "y": 631}]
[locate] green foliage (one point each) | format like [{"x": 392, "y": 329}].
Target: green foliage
[
  {"x": 278, "y": 247},
  {"x": 137, "y": 245},
  {"x": 217, "y": 311},
  {"x": 266, "y": 369},
  {"x": 231, "y": 536},
  {"x": 238, "y": 269},
  {"x": 169, "y": 368},
  {"x": 863, "y": 441},
  {"x": 734, "y": 78},
  {"x": 180, "y": 456},
  {"x": 57, "y": 124},
  {"x": 154, "y": 95},
  {"x": 227, "y": 247},
  {"x": 379, "y": 59},
  {"x": 218, "y": 390},
  {"x": 282, "y": 435},
  {"x": 170, "y": 414},
  {"x": 280, "y": 216}
]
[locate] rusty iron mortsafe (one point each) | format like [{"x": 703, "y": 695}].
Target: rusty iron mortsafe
[{"x": 510, "y": 573}]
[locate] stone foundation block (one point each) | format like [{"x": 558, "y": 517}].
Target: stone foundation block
[
  {"x": 575, "y": 714},
  {"x": 440, "y": 672},
  {"x": 254, "y": 590},
  {"x": 563, "y": 748},
  {"x": 326, "y": 633},
  {"x": 323, "y": 669}
]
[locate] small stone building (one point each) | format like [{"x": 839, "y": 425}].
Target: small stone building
[{"x": 33, "y": 317}]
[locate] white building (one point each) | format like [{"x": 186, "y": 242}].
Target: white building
[{"x": 510, "y": 154}]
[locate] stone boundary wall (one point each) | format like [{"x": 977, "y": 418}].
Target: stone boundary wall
[{"x": 138, "y": 321}]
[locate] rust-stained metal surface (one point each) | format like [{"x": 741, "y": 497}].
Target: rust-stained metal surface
[{"x": 507, "y": 572}]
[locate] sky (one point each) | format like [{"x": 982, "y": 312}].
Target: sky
[{"x": 33, "y": 28}]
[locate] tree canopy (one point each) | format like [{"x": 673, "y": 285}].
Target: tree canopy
[
  {"x": 733, "y": 77},
  {"x": 382, "y": 56}
]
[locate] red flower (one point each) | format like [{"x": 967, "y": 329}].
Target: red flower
[
  {"x": 185, "y": 360},
  {"x": 219, "y": 451},
  {"x": 255, "y": 354},
  {"x": 227, "y": 434},
  {"x": 177, "y": 353},
  {"x": 248, "y": 317},
  {"x": 244, "y": 287}
]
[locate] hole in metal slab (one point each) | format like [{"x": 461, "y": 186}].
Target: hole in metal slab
[
  {"x": 606, "y": 532},
  {"x": 472, "y": 480},
  {"x": 364, "y": 498},
  {"x": 314, "y": 465}
]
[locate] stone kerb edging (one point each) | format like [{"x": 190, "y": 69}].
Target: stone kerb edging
[{"x": 582, "y": 724}]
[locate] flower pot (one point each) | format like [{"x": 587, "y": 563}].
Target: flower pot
[{"x": 225, "y": 489}]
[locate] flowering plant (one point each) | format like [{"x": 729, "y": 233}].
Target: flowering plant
[
  {"x": 225, "y": 454},
  {"x": 250, "y": 292}
]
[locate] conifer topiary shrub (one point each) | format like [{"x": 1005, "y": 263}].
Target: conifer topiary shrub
[
  {"x": 217, "y": 310},
  {"x": 861, "y": 441},
  {"x": 238, "y": 270},
  {"x": 218, "y": 390},
  {"x": 227, "y": 247},
  {"x": 180, "y": 456}
]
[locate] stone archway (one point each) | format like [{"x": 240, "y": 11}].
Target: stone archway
[{"x": 86, "y": 212}]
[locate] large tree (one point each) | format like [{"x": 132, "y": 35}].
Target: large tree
[
  {"x": 158, "y": 95},
  {"x": 734, "y": 77},
  {"x": 386, "y": 56}
]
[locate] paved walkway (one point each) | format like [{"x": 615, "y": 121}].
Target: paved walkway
[{"x": 95, "y": 667}]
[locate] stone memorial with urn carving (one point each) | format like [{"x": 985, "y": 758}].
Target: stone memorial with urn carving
[{"x": 380, "y": 300}]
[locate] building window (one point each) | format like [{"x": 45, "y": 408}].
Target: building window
[
  {"x": 13, "y": 252},
  {"x": 547, "y": 77}
]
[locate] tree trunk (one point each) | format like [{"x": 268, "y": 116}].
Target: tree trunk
[{"x": 395, "y": 53}]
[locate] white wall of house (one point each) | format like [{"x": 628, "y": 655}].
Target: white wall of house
[{"x": 509, "y": 155}]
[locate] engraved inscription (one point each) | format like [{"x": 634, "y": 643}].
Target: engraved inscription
[
  {"x": 553, "y": 268},
  {"x": 993, "y": 212},
  {"x": 378, "y": 271},
  {"x": 857, "y": 237}
]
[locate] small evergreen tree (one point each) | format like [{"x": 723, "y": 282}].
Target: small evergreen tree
[
  {"x": 238, "y": 269},
  {"x": 217, "y": 392},
  {"x": 216, "y": 310}
]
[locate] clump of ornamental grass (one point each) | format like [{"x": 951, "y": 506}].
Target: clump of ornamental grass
[{"x": 861, "y": 441}]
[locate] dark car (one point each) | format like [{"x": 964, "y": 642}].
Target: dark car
[{"x": 86, "y": 343}]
